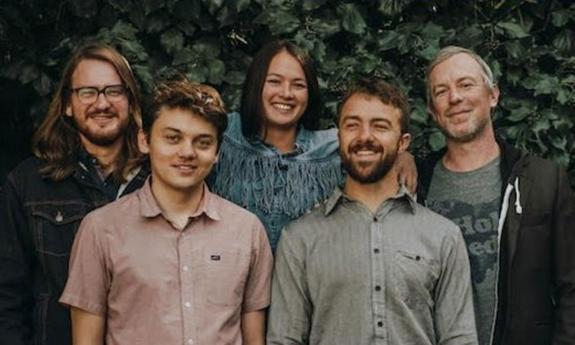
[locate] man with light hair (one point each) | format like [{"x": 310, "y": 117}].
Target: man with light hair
[
  {"x": 516, "y": 211},
  {"x": 85, "y": 155}
]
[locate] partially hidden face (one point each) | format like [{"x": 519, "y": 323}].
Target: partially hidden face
[
  {"x": 461, "y": 100},
  {"x": 369, "y": 137},
  {"x": 182, "y": 147},
  {"x": 103, "y": 122},
  {"x": 285, "y": 93}
]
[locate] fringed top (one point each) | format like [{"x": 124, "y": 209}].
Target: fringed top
[{"x": 276, "y": 187}]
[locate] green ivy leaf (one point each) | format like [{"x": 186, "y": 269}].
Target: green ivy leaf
[
  {"x": 559, "y": 142},
  {"x": 520, "y": 114},
  {"x": 213, "y": 5},
  {"x": 145, "y": 77},
  {"x": 217, "y": 70},
  {"x": 278, "y": 21},
  {"x": 564, "y": 41},
  {"x": 29, "y": 73},
  {"x": 513, "y": 29},
  {"x": 123, "y": 6},
  {"x": 351, "y": 19},
  {"x": 197, "y": 73},
  {"x": 235, "y": 77},
  {"x": 156, "y": 23},
  {"x": 546, "y": 85},
  {"x": 84, "y": 8},
  {"x": 43, "y": 85},
  {"x": 172, "y": 40},
  {"x": 392, "y": 8},
  {"x": 560, "y": 17},
  {"x": 206, "y": 50},
  {"x": 541, "y": 125},
  {"x": 436, "y": 141},
  {"x": 152, "y": 5},
  {"x": 242, "y": 5},
  {"x": 183, "y": 56},
  {"x": 563, "y": 96},
  {"x": 309, "y": 5},
  {"x": 388, "y": 39},
  {"x": 325, "y": 27}
]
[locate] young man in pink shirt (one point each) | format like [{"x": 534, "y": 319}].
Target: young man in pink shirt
[{"x": 172, "y": 263}]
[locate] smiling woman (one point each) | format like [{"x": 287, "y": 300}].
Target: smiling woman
[{"x": 273, "y": 160}]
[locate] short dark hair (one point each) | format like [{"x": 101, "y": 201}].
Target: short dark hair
[
  {"x": 252, "y": 111},
  {"x": 385, "y": 92},
  {"x": 200, "y": 99}
]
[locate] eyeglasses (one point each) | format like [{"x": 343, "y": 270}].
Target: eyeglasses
[{"x": 90, "y": 94}]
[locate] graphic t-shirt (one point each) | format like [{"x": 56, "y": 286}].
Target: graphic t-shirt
[{"x": 472, "y": 200}]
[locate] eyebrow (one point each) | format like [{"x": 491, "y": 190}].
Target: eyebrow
[
  {"x": 358, "y": 118},
  {"x": 282, "y": 76},
  {"x": 172, "y": 129},
  {"x": 456, "y": 81}
]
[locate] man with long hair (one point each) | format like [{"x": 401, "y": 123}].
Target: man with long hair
[{"x": 85, "y": 155}]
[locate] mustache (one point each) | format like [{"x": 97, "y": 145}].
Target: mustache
[
  {"x": 101, "y": 112},
  {"x": 367, "y": 145}
]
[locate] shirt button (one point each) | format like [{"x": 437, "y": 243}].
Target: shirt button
[
  {"x": 376, "y": 250},
  {"x": 377, "y": 288},
  {"x": 188, "y": 304},
  {"x": 185, "y": 268},
  {"x": 379, "y": 323}
]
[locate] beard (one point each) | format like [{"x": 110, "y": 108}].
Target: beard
[
  {"x": 102, "y": 136},
  {"x": 476, "y": 127},
  {"x": 359, "y": 171}
]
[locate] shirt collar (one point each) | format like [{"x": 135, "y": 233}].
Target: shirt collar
[
  {"x": 149, "y": 207},
  {"x": 403, "y": 195}
]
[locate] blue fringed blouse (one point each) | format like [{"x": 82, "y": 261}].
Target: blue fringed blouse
[{"x": 277, "y": 187}]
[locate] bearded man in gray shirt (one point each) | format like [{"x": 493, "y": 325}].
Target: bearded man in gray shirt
[{"x": 370, "y": 265}]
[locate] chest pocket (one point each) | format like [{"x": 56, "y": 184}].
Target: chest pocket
[
  {"x": 55, "y": 226},
  {"x": 415, "y": 278},
  {"x": 224, "y": 274}
]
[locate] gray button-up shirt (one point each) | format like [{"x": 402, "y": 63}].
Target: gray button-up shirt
[{"x": 344, "y": 275}]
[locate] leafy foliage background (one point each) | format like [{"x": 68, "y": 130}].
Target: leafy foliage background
[{"x": 530, "y": 45}]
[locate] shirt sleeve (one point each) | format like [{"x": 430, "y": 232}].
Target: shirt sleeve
[
  {"x": 88, "y": 279},
  {"x": 16, "y": 302},
  {"x": 454, "y": 315},
  {"x": 291, "y": 309},
  {"x": 257, "y": 291},
  {"x": 564, "y": 261}
]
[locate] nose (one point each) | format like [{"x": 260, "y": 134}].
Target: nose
[
  {"x": 454, "y": 96},
  {"x": 286, "y": 90},
  {"x": 365, "y": 133},
  {"x": 101, "y": 102},
  {"x": 187, "y": 150}
]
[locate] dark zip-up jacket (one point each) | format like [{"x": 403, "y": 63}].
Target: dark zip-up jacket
[
  {"x": 536, "y": 280},
  {"x": 38, "y": 221}
]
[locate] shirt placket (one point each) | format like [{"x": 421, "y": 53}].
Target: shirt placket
[
  {"x": 188, "y": 269},
  {"x": 378, "y": 279}
]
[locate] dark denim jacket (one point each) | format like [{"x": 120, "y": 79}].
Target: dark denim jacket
[{"x": 39, "y": 218}]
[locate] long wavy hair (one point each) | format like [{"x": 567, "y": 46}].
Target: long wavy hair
[
  {"x": 57, "y": 141},
  {"x": 252, "y": 109}
]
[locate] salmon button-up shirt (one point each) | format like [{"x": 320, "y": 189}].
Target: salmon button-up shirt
[{"x": 157, "y": 284}]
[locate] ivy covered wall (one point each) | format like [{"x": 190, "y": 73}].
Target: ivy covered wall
[{"x": 530, "y": 45}]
